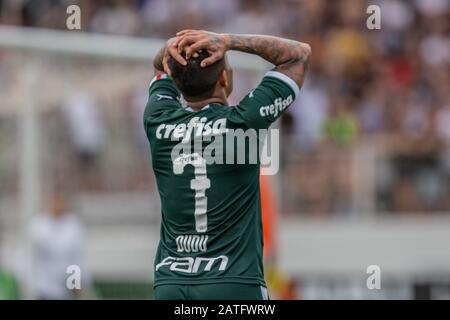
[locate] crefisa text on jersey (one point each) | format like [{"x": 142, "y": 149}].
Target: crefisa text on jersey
[{"x": 226, "y": 309}]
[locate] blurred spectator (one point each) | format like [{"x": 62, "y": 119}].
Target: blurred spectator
[
  {"x": 309, "y": 122},
  {"x": 117, "y": 17},
  {"x": 443, "y": 129},
  {"x": 87, "y": 133},
  {"x": 341, "y": 127},
  {"x": 57, "y": 237}
]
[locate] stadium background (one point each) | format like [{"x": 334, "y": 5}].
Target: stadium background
[{"x": 365, "y": 152}]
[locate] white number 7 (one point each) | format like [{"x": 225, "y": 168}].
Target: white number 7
[{"x": 199, "y": 184}]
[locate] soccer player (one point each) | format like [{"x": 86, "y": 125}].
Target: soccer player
[{"x": 211, "y": 244}]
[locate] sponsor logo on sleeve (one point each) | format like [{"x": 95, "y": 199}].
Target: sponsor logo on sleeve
[{"x": 278, "y": 106}]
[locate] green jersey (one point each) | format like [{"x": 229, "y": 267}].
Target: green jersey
[{"x": 211, "y": 229}]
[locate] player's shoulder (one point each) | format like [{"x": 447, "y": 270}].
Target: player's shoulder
[
  {"x": 164, "y": 97},
  {"x": 265, "y": 104},
  {"x": 279, "y": 80},
  {"x": 164, "y": 112},
  {"x": 160, "y": 78},
  {"x": 276, "y": 91},
  {"x": 163, "y": 89}
]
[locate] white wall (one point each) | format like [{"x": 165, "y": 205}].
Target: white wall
[{"x": 401, "y": 245}]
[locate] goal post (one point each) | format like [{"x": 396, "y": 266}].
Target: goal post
[{"x": 103, "y": 46}]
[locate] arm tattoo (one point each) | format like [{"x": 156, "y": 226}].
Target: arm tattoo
[{"x": 289, "y": 57}]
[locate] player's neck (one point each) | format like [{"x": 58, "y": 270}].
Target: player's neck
[{"x": 198, "y": 104}]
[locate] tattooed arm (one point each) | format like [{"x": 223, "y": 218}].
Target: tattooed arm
[{"x": 289, "y": 57}]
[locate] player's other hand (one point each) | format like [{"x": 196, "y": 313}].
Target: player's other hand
[{"x": 192, "y": 41}]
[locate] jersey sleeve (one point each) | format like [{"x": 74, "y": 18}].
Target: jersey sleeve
[
  {"x": 163, "y": 96},
  {"x": 265, "y": 104}
]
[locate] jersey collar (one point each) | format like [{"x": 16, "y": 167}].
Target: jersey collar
[{"x": 192, "y": 110}]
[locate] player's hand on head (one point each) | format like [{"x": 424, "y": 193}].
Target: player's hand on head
[
  {"x": 172, "y": 51},
  {"x": 193, "y": 41}
]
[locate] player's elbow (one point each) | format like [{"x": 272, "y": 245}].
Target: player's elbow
[
  {"x": 304, "y": 51},
  {"x": 300, "y": 52},
  {"x": 307, "y": 51}
]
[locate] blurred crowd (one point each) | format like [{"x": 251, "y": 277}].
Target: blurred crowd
[{"x": 387, "y": 89}]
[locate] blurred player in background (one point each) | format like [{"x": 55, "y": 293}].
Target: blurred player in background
[
  {"x": 211, "y": 244},
  {"x": 57, "y": 237}
]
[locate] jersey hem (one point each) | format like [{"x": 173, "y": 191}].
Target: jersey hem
[{"x": 237, "y": 280}]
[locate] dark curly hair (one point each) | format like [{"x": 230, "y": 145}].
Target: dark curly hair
[{"x": 194, "y": 80}]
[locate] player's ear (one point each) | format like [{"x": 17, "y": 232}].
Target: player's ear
[
  {"x": 223, "y": 79},
  {"x": 229, "y": 77}
]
